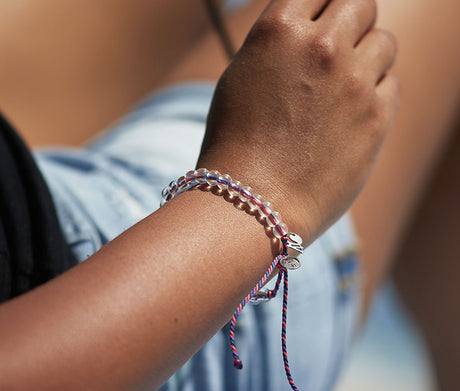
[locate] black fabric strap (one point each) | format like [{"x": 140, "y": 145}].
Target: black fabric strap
[{"x": 32, "y": 246}]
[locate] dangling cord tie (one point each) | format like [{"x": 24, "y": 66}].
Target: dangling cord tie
[
  {"x": 284, "y": 328},
  {"x": 282, "y": 275},
  {"x": 262, "y": 297}
]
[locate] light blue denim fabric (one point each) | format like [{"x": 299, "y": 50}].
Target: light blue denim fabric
[{"x": 103, "y": 189}]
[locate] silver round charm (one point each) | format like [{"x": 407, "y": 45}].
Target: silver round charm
[{"x": 290, "y": 263}]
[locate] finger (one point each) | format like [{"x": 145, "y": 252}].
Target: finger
[
  {"x": 309, "y": 9},
  {"x": 377, "y": 52},
  {"x": 354, "y": 18},
  {"x": 389, "y": 95}
]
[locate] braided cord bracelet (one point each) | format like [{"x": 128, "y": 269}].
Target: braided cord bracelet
[{"x": 283, "y": 261}]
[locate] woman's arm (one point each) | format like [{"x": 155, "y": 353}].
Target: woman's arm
[
  {"x": 299, "y": 115},
  {"x": 141, "y": 306}
]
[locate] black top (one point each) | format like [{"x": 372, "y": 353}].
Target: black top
[{"x": 32, "y": 246}]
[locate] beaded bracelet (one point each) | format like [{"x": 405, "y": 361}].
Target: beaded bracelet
[{"x": 283, "y": 261}]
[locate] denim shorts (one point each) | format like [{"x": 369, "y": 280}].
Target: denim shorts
[{"x": 106, "y": 187}]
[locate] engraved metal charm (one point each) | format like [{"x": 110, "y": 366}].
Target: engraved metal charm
[
  {"x": 294, "y": 241},
  {"x": 290, "y": 263}
]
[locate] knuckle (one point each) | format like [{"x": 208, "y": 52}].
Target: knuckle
[
  {"x": 275, "y": 25},
  {"x": 376, "y": 114},
  {"x": 389, "y": 40},
  {"x": 393, "y": 98},
  {"x": 363, "y": 7},
  {"x": 377, "y": 124},
  {"x": 395, "y": 86},
  {"x": 367, "y": 6},
  {"x": 381, "y": 114},
  {"x": 355, "y": 86},
  {"x": 324, "y": 50},
  {"x": 371, "y": 6}
]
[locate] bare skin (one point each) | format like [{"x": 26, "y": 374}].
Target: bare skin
[
  {"x": 70, "y": 68},
  {"x": 432, "y": 292},
  {"x": 144, "y": 329}
]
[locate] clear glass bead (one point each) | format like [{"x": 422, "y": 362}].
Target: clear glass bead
[
  {"x": 253, "y": 205},
  {"x": 165, "y": 192},
  {"x": 280, "y": 234},
  {"x": 190, "y": 175},
  {"x": 173, "y": 187},
  {"x": 181, "y": 184},
  {"x": 202, "y": 172},
  {"x": 163, "y": 201},
  {"x": 243, "y": 197},
  {"x": 212, "y": 177},
  {"x": 169, "y": 197},
  {"x": 231, "y": 189},
  {"x": 273, "y": 219},
  {"x": 268, "y": 209},
  {"x": 224, "y": 186},
  {"x": 259, "y": 298}
]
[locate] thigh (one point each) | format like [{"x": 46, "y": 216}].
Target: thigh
[
  {"x": 428, "y": 272},
  {"x": 428, "y": 67},
  {"x": 70, "y": 68}
]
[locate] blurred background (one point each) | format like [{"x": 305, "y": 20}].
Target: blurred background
[{"x": 390, "y": 354}]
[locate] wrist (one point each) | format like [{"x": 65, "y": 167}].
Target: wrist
[{"x": 269, "y": 186}]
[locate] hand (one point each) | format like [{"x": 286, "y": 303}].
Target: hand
[{"x": 302, "y": 111}]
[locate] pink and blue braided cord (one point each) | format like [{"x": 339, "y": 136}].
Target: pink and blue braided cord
[{"x": 282, "y": 276}]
